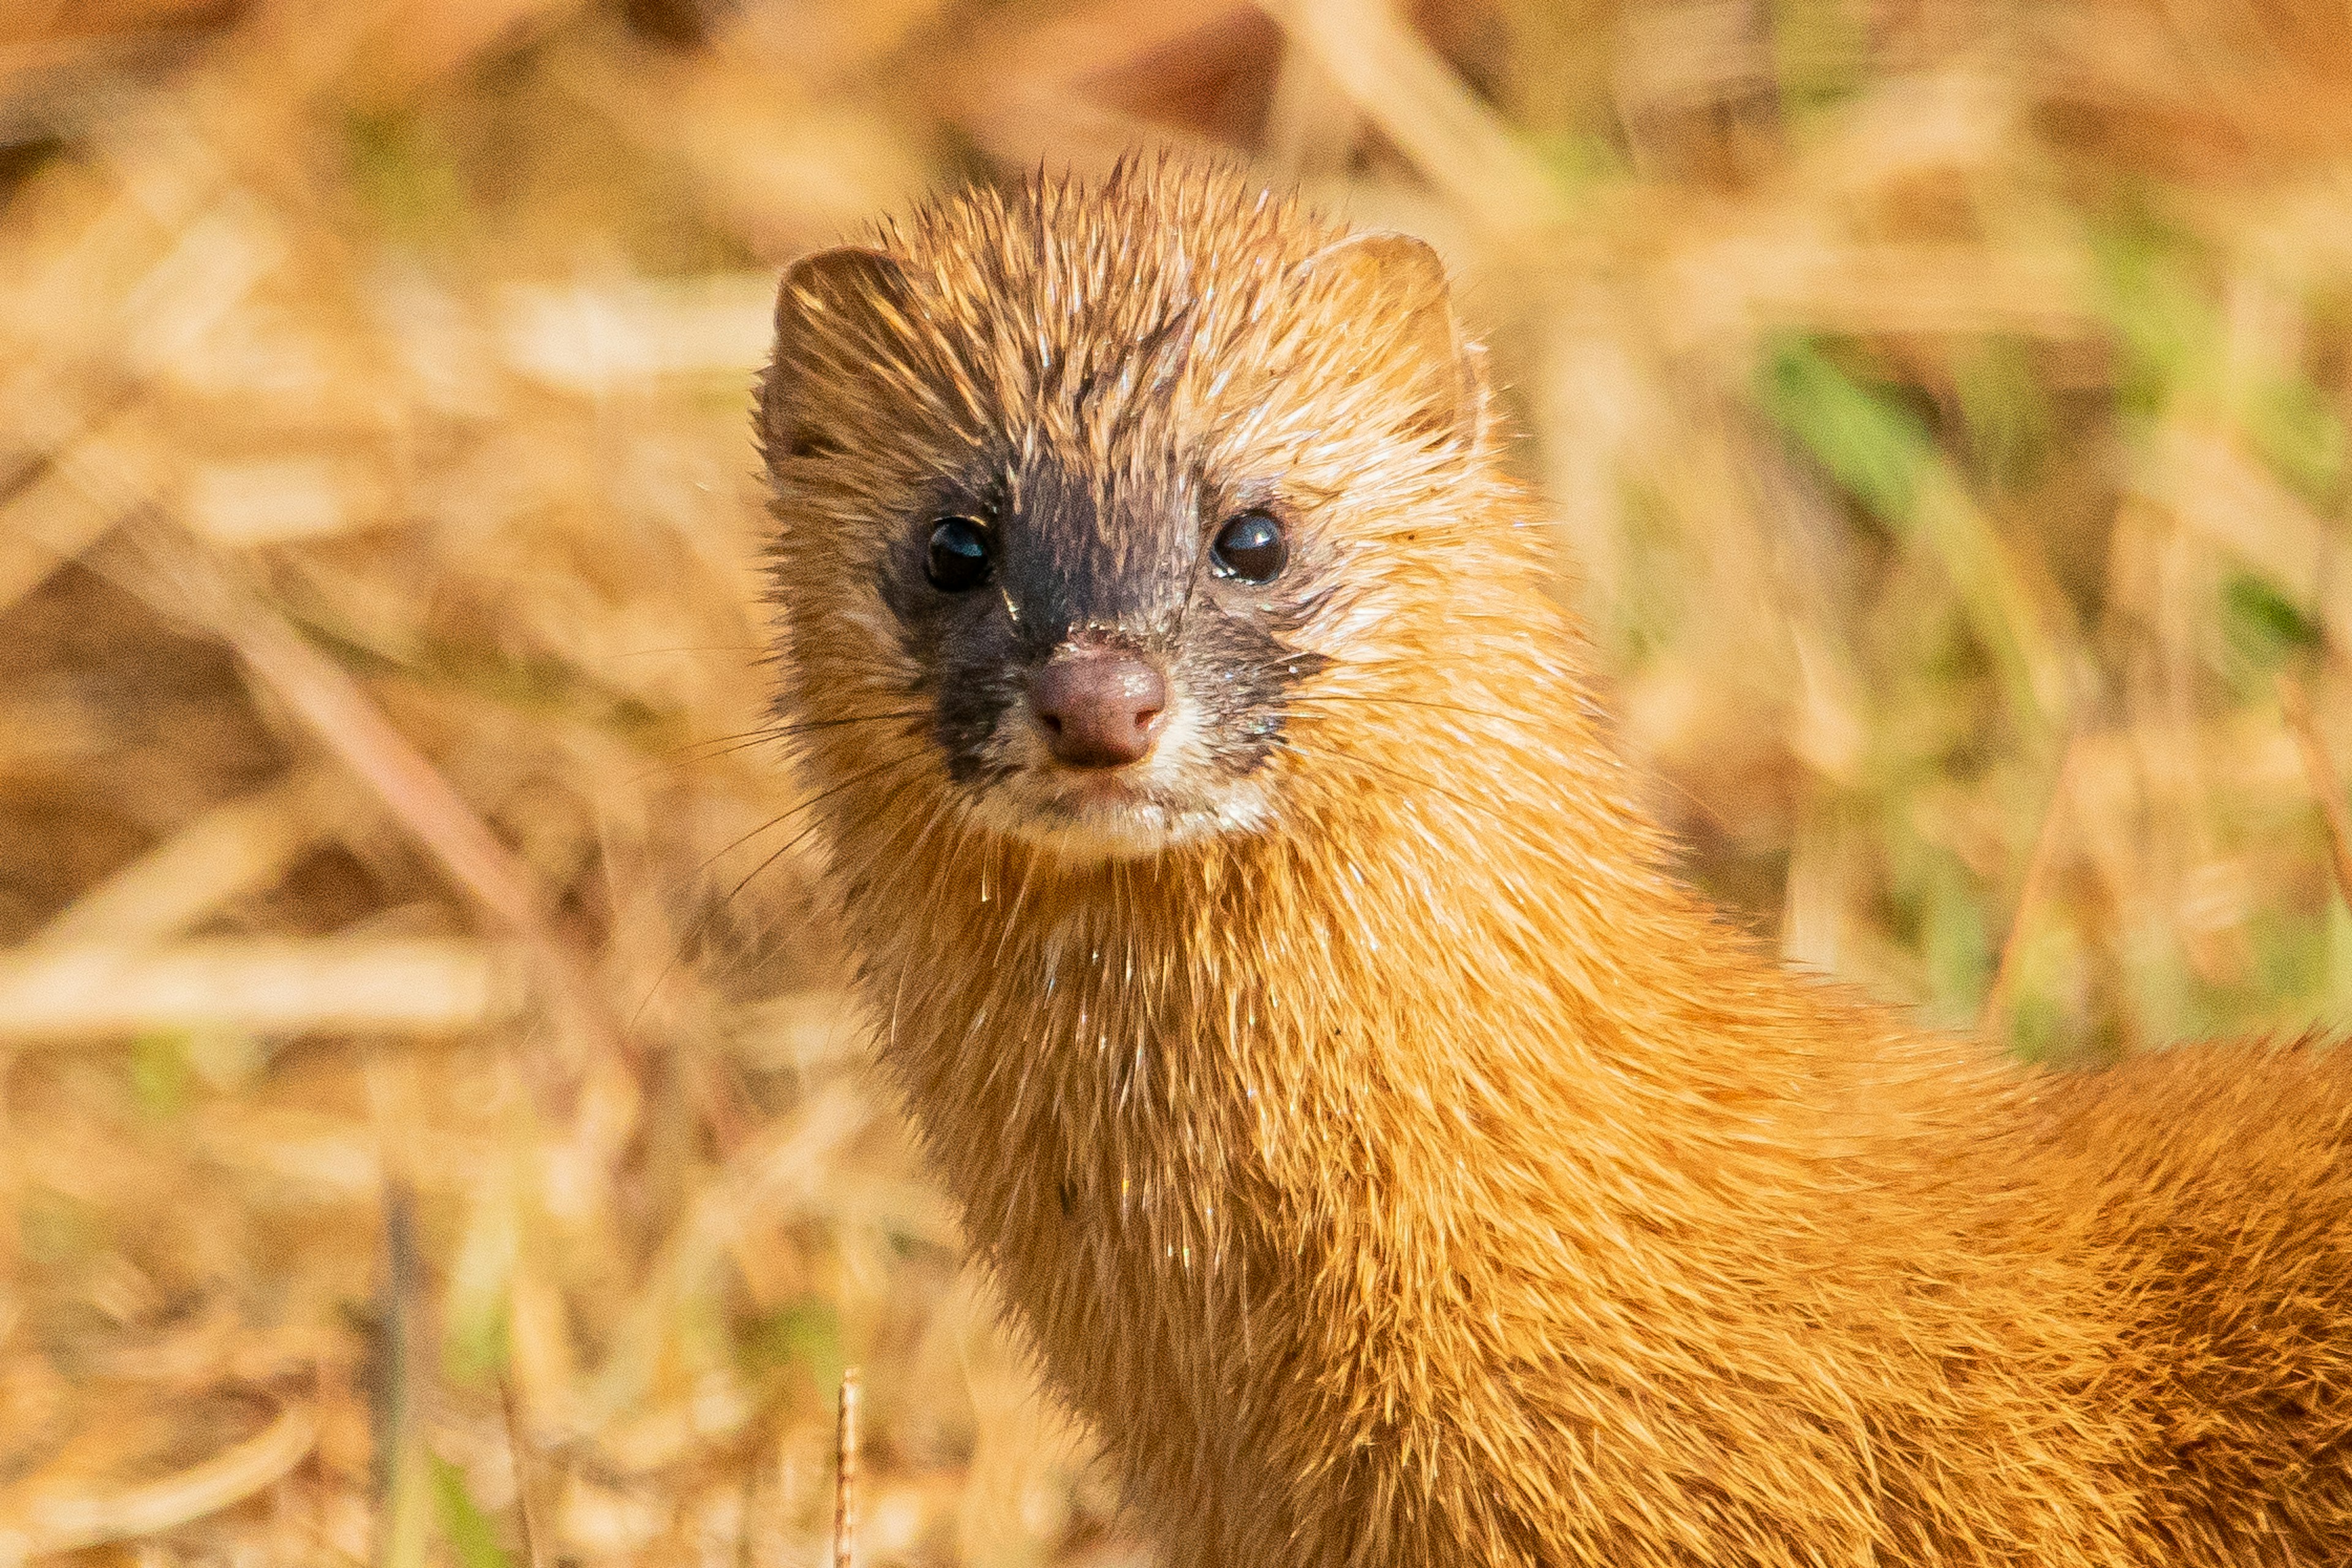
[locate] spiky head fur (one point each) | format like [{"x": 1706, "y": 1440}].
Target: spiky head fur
[{"x": 1373, "y": 1142}]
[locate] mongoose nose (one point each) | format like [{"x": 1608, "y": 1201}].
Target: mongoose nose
[{"x": 1100, "y": 708}]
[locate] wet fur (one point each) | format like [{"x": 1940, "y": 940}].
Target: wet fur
[{"x": 1422, "y": 1176}]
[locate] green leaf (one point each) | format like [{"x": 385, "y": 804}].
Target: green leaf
[
  {"x": 2261, "y": 623},
  {"x": 2010, "y": 421},
  {"x": 2299, "y": 436},
  {"x": 1873, "y": 446},
  {"x": 2338, "y": 993},
  {"x": 806, "y": 1334},
  {"x": 2036, "y": 1024},
  {"x": 159, "y": 1072},
  {"x": 464, "y": 1525},
  {"x": 480, "y": 1295},
  {"x": 1580, "y": 162},
  {"x": 2290, "y": 954},
  {"x": 1940, "y": 915},
  {"x": 477, "y": 1349},
  {"x": 405, "y": 172},
  {"x": 2161, "y": 318},
  {"x": 1955, "y": 941},
  {"x": 1818, "y": 50}
]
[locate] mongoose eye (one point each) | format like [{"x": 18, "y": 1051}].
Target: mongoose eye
[
  {"x": 959, "y": 555},
  {"x": 1250, "y": 547}
]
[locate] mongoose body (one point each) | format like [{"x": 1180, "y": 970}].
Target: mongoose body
[{"x": 1375, "y": 1143}]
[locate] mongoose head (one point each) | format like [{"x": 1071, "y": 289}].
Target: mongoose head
[{"x": 1103, "y": 511}]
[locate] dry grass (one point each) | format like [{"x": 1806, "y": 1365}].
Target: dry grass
[{"x": 428, "y": 1087}]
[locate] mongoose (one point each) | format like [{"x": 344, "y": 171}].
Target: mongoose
[{"x": 1373, "y": 1140}]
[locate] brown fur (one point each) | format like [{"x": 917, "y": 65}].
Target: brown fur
[{"x": 1426, "y": 1178}]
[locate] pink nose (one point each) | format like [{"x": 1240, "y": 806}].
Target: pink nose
[{"x": 1100, "y": 708}]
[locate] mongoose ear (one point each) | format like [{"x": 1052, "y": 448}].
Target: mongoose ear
[
  {"x": 1394, "y": 287},
  {"x": 833, "y": 311}
]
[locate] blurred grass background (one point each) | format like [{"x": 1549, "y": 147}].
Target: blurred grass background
[{"x": 431, "y": 1130}]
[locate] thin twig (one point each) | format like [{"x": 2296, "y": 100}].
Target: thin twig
[
  {"x": 2327, "y": 784},
  {"x": 405, "y": 1508},
  {"x": 845, "y": 1484},
  {"x": 2028, "y": 896}
]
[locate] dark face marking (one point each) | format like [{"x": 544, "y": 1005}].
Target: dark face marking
[{"x": 1070, "y": 558}]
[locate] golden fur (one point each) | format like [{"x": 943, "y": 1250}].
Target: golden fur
[{"x": 1417, "y": 1175}]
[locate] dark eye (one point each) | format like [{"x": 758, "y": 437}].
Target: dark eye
[
  {"x": 959, "y": 555},
  {"x": 1250, "y": 547}
]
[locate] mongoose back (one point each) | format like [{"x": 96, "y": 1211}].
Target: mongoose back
[{"x": 1372, "y": 1140}]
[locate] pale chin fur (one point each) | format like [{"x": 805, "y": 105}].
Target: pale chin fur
[{"x": 1167, "y": 803}]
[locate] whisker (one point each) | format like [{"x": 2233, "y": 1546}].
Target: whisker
[
  {"x": 811, "y": 726},
  {"x": 804, "y": 726},
  {"x": 680, "y": 753},
  {"x": 1375, "y": 699},
  {"x": 787, "y": 733},
  {"x": 713, "y": 751},
  {"x": 727, "y": 745},
  {"x": 807, "y": 727},
  {"x": 824, "y": 794},
  {"x": 930, "y": 825},
  {"x": 760, "y": 937},
  {"x": 702, "y": 921},
  {"x": 709, "y": 647}
]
